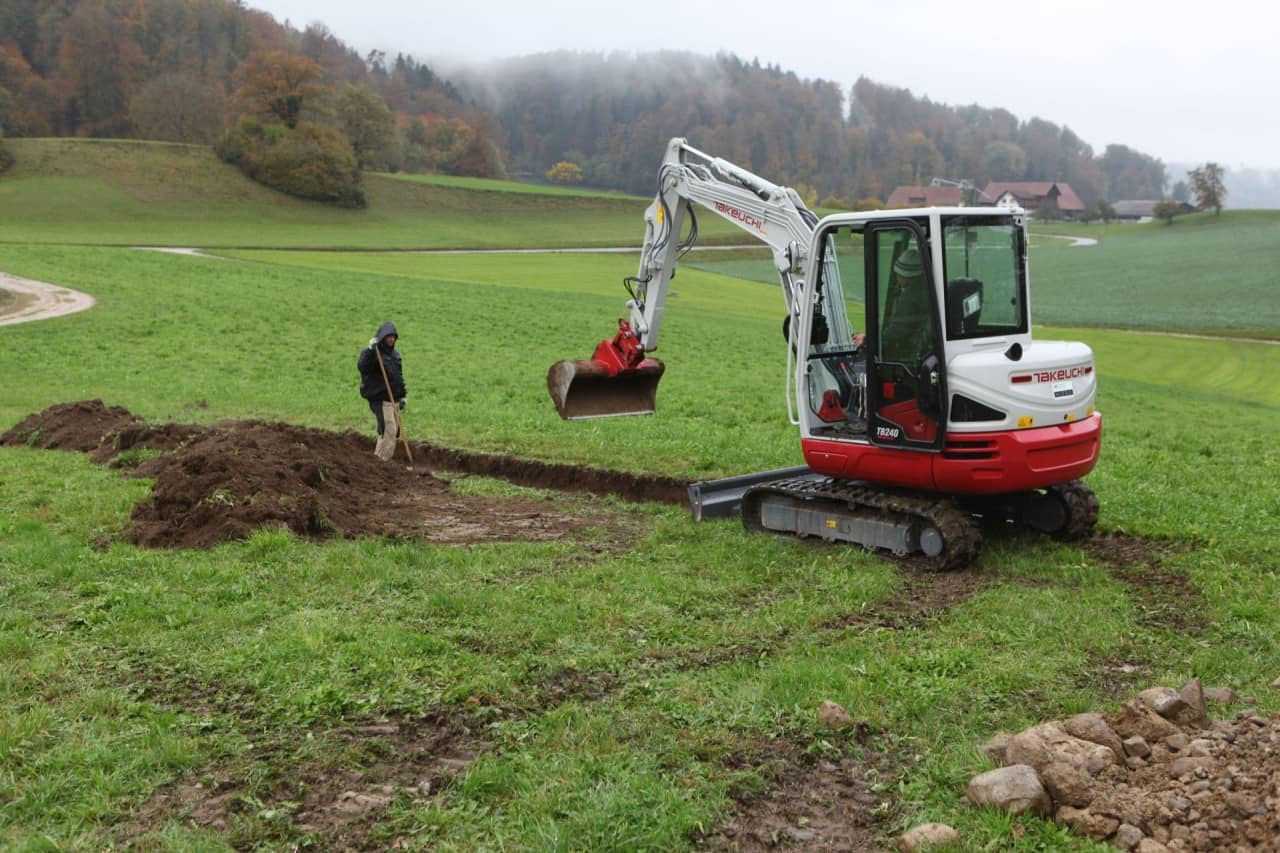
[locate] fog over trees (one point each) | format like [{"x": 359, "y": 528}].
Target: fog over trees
[{"x": 191, "y": 70}]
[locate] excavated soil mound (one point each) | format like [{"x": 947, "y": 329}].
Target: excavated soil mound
[
  {"x": 214, "y": 484},
  {"x": 70, "y": 426}
]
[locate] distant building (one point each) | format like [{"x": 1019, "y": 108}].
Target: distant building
[
  {"x": 1033, "y": 196},
  {"x": 925, "y": 197}
]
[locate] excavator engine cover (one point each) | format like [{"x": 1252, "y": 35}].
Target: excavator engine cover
[{"x": 591, "y": 389}]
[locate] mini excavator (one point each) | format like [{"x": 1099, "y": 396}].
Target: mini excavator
[{"x": 943, "y": 412}]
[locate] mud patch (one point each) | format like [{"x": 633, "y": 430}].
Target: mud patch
[
  {"x": 920, "y": 598},
  {"x": 1163, "y": 597},
  {"x": 226, "y": 483},
  {"x": 814, "y": 802},
  {"x": 569, "y": 684},
  {"x": 331, "y": 796},
  {"x": 215, "y": 484}
]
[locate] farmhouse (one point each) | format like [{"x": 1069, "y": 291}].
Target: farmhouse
[
  {"x": 1048, "y": 198},
  {"x": 925, "y": 197}
]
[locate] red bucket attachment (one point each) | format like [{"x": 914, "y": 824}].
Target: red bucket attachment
[
  {"x": 617, "y": 380},
  {"x": 589, "y": 389}
]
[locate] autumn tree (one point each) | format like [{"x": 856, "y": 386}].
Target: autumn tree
[
  {"x": 1207, "y": 187},
  {"x": 179, "y": 107},
  {"x": 368, "y": 124},
  {"x": 277, "y": 84},
  {"x": 100, "y": 66},
  {"x": 565, "y": 172}
]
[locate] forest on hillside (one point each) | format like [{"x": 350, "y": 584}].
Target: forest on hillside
[{"x": 216, "y": 72}]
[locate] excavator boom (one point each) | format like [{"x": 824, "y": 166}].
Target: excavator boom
[{"x": 621, "y": 378}]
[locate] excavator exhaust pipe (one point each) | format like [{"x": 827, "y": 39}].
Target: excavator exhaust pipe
[{"x": 617, "y": 380}]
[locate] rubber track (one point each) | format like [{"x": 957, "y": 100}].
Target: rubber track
[
  {"x": 1082, "y": 509},
  {"x": 960, "y": 535}
]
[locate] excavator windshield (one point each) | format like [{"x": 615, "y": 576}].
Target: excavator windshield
[{"x": 985, "y": 274}]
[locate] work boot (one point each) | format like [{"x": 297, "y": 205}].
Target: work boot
[{"x": 386, "y": 447}]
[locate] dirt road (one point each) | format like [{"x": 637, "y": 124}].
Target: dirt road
[{"x": 27, "y": 300}]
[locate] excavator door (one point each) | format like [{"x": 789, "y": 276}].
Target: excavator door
[{"x": 906, "y": 369}]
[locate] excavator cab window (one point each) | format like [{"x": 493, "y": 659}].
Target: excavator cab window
[
  {"x": 984, "y": 264},
  {"x": 835, "y": 366}
]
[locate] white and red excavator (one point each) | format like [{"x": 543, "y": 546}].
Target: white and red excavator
[{"x": 942, "y": 412}]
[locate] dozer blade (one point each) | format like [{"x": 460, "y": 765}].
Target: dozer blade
[{"x": 588, "y": 389}]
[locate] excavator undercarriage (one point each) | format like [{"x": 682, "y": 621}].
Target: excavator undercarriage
[{"x": 929, "y": 531}]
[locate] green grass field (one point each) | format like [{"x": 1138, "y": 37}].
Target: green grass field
[{"x": 616, "y": 682}]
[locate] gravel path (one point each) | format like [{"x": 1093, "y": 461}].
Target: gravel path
[{"x": 39, "y": 301}]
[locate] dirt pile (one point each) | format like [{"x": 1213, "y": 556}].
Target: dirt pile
[
  {"x": 214, "y": 484},
  {"x": 70, "y": 426},
  {"x": 1156, "y": 775}
]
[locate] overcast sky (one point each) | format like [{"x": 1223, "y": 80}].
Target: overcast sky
[{"x": 1183, "y": 81}]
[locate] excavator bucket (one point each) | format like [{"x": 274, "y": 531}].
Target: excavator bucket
[
  {"x": 587, "y": 389},
  {"x": 617, "y": 380}
]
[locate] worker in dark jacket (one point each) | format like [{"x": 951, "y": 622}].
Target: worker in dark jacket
[{"x": 374, "y": 387}]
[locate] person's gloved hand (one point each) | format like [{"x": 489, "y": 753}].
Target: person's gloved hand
[
  {"x": 373, "y": 342},
  {"x": 401, "y": 404}
]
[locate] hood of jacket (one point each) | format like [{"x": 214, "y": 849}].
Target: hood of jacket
[{"x": 387, "y": 328}]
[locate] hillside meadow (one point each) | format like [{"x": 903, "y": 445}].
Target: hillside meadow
[
  {"x": 114, "y": 192},
  {"x": 627, "y": 687}
]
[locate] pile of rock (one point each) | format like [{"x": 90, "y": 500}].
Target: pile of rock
[{"x": 1157, "y": 775}]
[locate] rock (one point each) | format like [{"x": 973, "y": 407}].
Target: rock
[
  {"x": 1015, "y": 789},
  {"x": 1137, "y": 747},
  {"x": 1221, "y": 695},
  {"x": 1095, "y": 826},
  {"x": 1047, "y": 742},
  {"x": 996, "y": 748},
  {"x": 1137, "y": 718},
  {"x": 1200, "y": 747},
  {"x": 1275, "y": 685},
  {"x": 1165, "y": 701},
  {"x": 1067, "y": 785},
  {"x": 834, "y": 716},
  {"x": 1197, "y": 711},
  {"x": 1150, "y": 845},
  {"x": 927, "y": 836},
  {"x": 1128, "y": 836},
  {"x": 1094, "y": 728},
  {"x": 1177, "y": 742},
  {"x": 1183, "y": 766}
]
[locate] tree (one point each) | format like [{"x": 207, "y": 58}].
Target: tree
[
  {"x": 367, "y": 121},
  {"x": 99, "y": 66},
  {"x": 179, "y": 107},
  {"x": 1166, "y": 209},
  {"x": 6, "y": 159},
  {"x": 276, "y": 84},
  {"x": 565, "y": 172},
  {"x": 1181, "y": 192},
  {"x": 1005, "y": 161},
  {"x": 1105, "y": 211},
  {"x": 1207, "y": 186}
]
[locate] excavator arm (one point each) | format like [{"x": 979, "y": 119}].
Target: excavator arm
[{"x": 621, "y": 378}]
